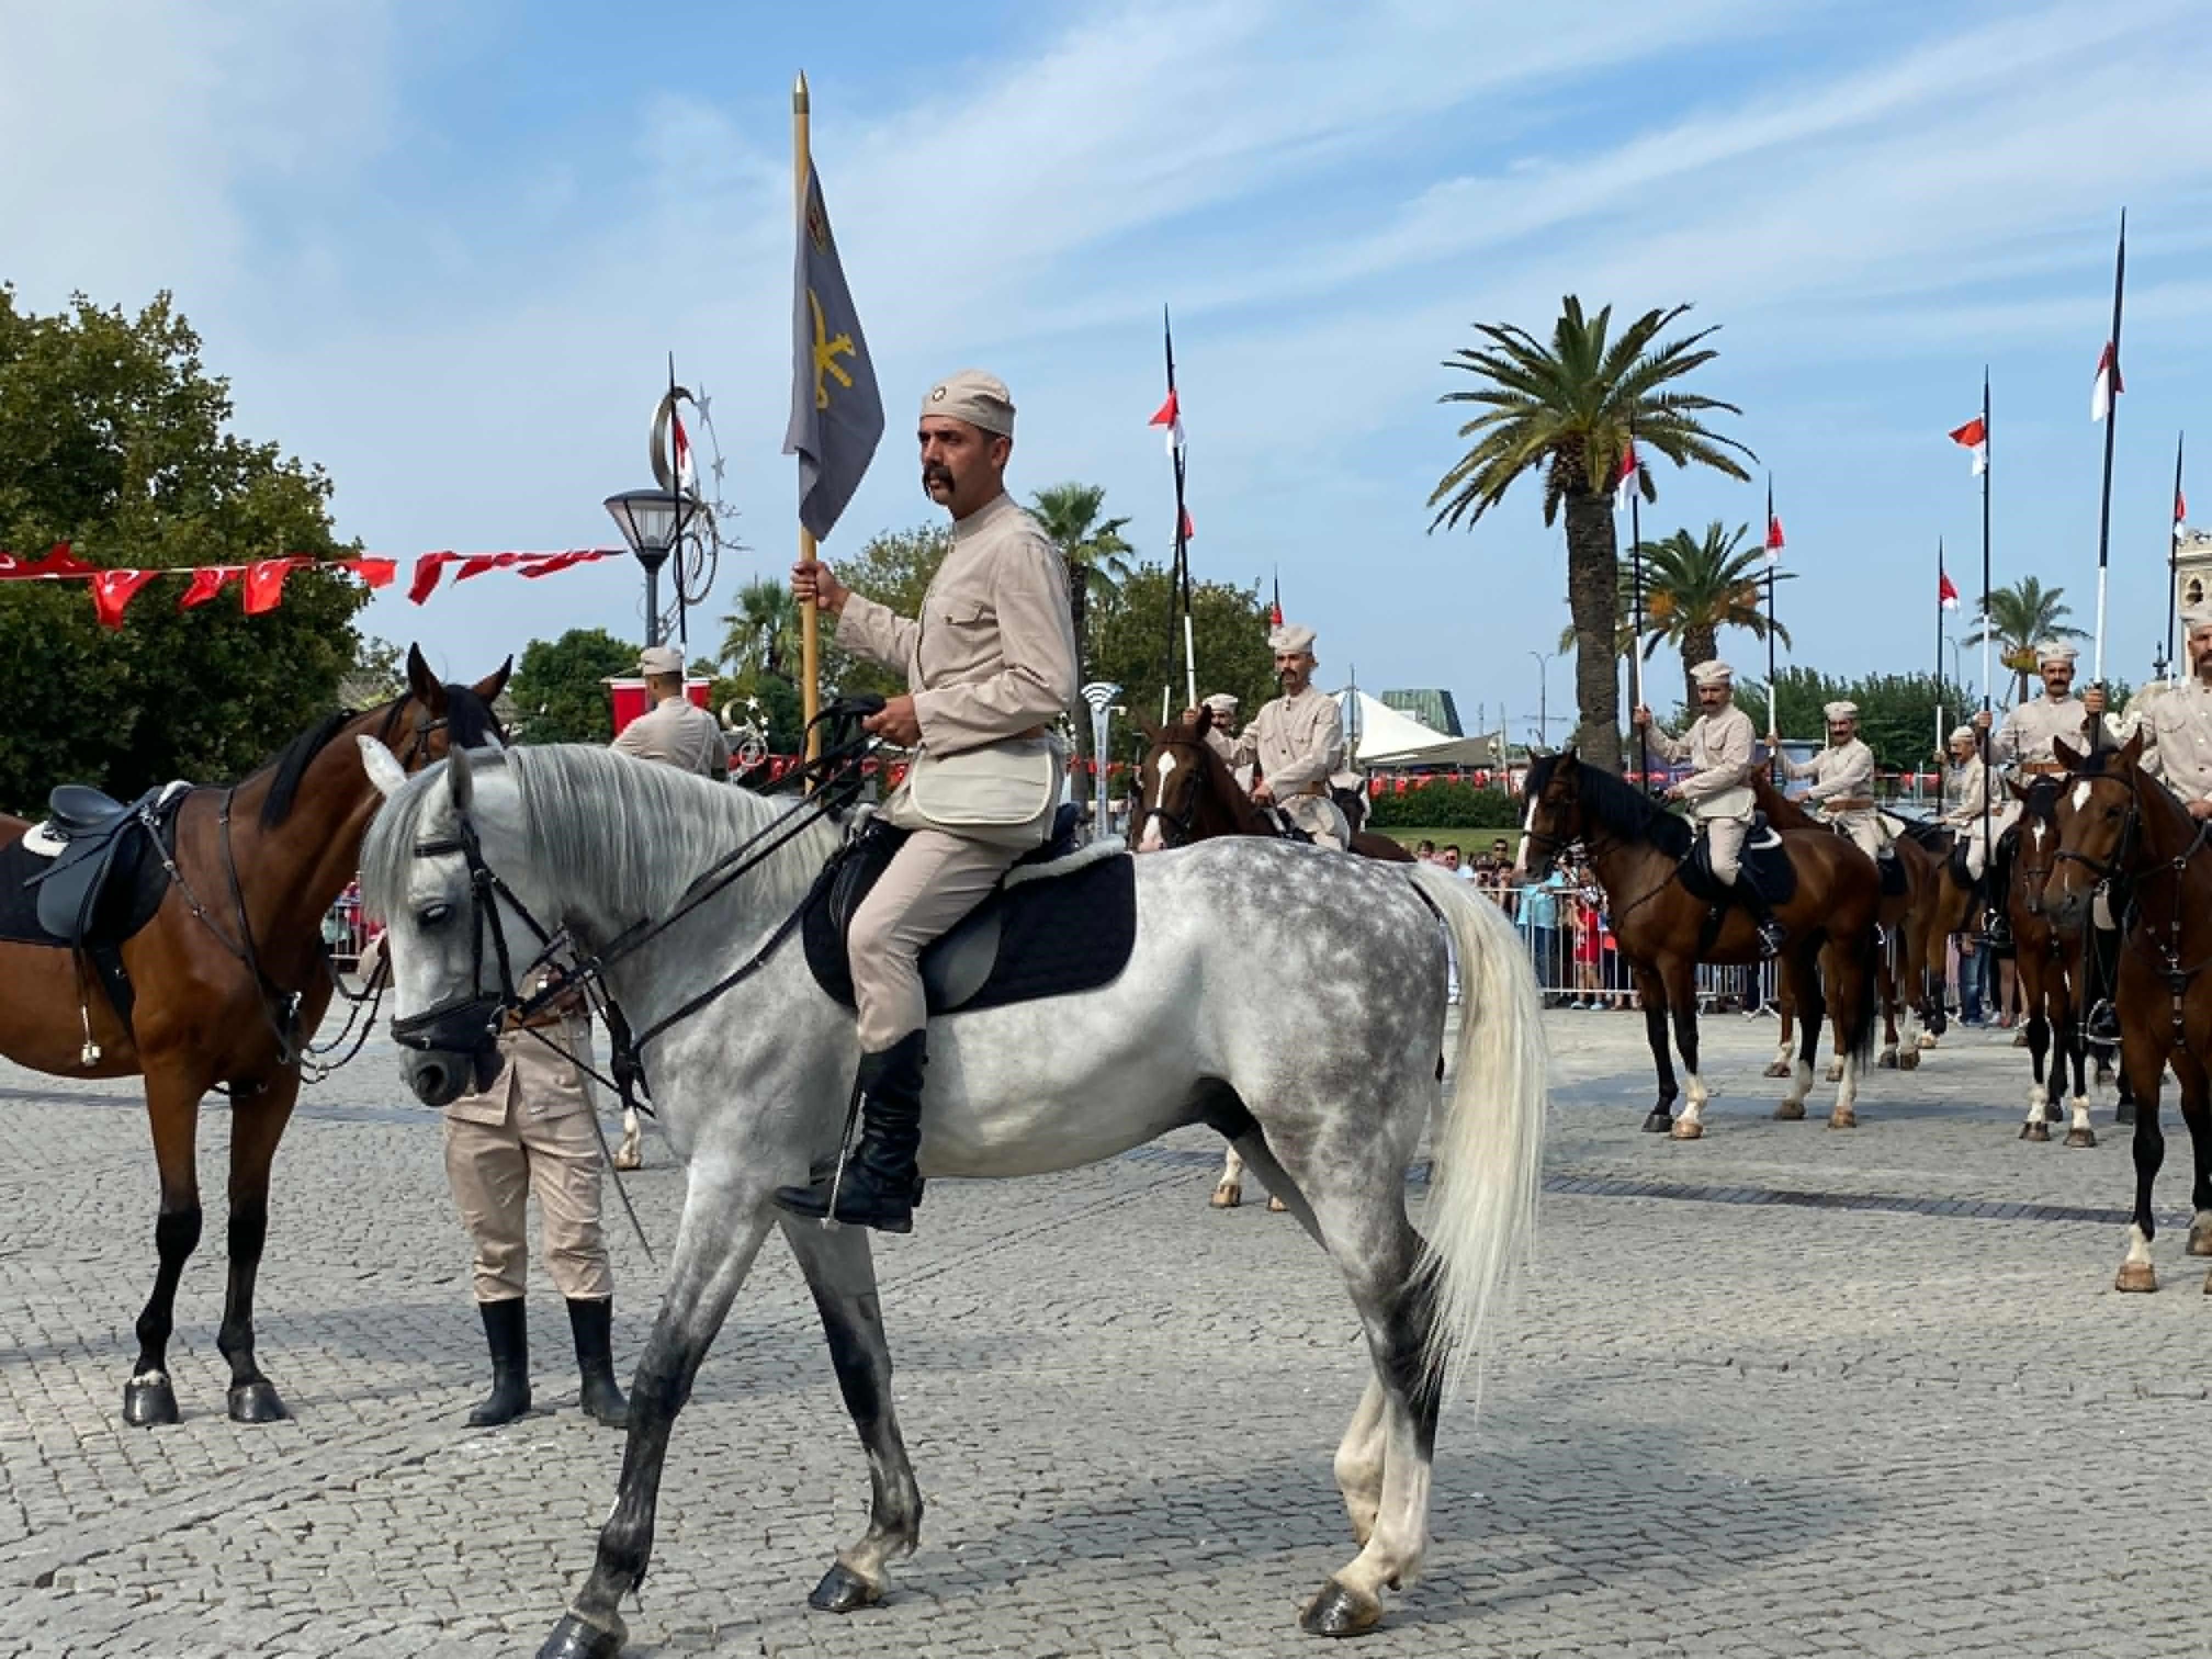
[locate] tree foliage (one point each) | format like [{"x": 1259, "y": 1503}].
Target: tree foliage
[
  {"x": 1097, "y": 554},
  {"x": 1897, "y": 711},
  {"x": 1229, "y": 631},
  {"x": 1446, "y": 803},
  {"x": 2021, "y": 616},
  {"x": 1565, "y": 410},
  {"x": 113, "y": 438},
  {"x": 559, "y": 689},
  {"x": 763, "y": 633},
  {"x": 896, "y": 568}
]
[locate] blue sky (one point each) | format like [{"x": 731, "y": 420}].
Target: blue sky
[{"x": 443, "y": 249}]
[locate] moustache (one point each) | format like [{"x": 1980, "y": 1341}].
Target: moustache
[{"x": 936, "y": 475}]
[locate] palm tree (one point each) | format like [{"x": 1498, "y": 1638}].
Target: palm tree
[
  {"x": 1694, "y": 586},
  {"x": 1097, "y": 557},
  {"x": 2020, "y": 618},
  {"x": 764, "y": 631},
  {"x": 1568, "y": 409}
]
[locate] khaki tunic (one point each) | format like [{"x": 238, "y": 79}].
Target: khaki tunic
[
  {"x": 679, "y": 733},
  {"x": 1720, "y": 750},
  {"x": 1225, "y": 746},
  {"x": 2028, "y": 731},
  {"x": 1965, "y": 787},
  {"x": 531, "y": 1132},
  {"x": 991, "y": 665},
  {"x": 1845, "y": 774},
  {"x": 2176, "y": 721},
  {"x": 1298, "y": 744}
]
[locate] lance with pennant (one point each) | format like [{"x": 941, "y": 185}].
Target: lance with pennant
[
  {"x": 2106, "y": 406},
  {"x": 1773, "y": 691},
  {"x": 1943, "y": 581},
  {"x": 2173, "y": 558},
  {"x": 809, "y": 621},
  {"x": 1989, "y": 624},
  {"x": 1179, "y": 578},
  {"x": 1630, "y": 466}
]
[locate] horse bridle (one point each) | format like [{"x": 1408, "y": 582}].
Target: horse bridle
[{"x": 2111, "y": 873}]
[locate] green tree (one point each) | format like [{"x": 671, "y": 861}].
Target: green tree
[
  {"x": 113, "y": 438},
  {"x": 1566, "y": 409},
  {"x": 1229, "y": 630},
  {"x": 2020, "y": 617},
  {"x": 894, "y": 568},
  {"x": 1096, "y": 555},
  {"x": 378, "y": 675},
  {"x": 764, "y": 631},
  {"x": 1897, "y": 711},
  {"x": 1694, "y": 586},
  {"x": 559, "y": 691}
]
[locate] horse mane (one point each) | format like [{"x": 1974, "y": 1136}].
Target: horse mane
[
  {"x": 470, "y": 723},
  {"x": 1618, "y": 805},
  {"x": 635, "y": 833}
]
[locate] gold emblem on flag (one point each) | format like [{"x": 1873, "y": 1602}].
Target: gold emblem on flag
[
  {"x": 828, "y": 348},
  {"x": 818, "y": 226}
]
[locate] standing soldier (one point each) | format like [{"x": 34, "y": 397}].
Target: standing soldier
[
  {"x": 2024, "y": 741},
  {"x": 1720, "y": 746},
  {"x": 991, "y": 662},
  {"x": 675, "y": 729},
  {"x": 1297, "y": 740},
  {"x": 531, "y": 1132},
  {"x": 1843, "y": 781}
]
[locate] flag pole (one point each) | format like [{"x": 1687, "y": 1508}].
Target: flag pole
[
  {"x": 2173, "y": 560},
  {"x": 1940, "y": 574},
  {"x": 1773, "y": 691},
  {"x": 2111, "y": 421},
  {"x": 1636, "y": 634},
  {"x": 1181, "y": 539},
  {"x": 1989, "y": 622},
  {"x": 810, "y": 619}
]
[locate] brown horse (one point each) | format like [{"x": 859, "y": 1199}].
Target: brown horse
[
  {"x": 1637, "y": 849},
  {"x": 2050, "y": 964},
  {"x": 231, "y": 980},
  {"x": 1188, "y": 794},
  {"x": 2117, "y": 826},
  {"x": 1908, "y": 972}
]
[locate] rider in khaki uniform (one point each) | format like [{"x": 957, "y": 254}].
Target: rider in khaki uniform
[
  {"x": 1966, "y": 788},
  {"x": 1720, "y": 747},
  {"x": 531, "y": 1132},
  {"x": 1843, "y": 781},
  {"x": 2176, "y": 721},
  {"x": 991, "y": 663},
  {"x": 1297, "y": 741},
  {"x": 2024, "y": 741},
  {"x": 675, "y": 729}
]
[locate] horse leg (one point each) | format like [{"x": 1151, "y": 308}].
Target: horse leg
[
  {"x": 1229, "y": 1191},
  {"x": 1785, "y": 1008},
  {"x": 2145, "y": 1062},
  {"x": 257, "y": 1117},
  {"x": 2078, "y": 1132},
  {"x": 720, "y": 1233},
  {"x": 2041, "y": 1107},
  {"x": 630, "y": 1155},
  {"x": 1886, "y": 989},
  {"x": 1651, "y": 992},
  {"x": 840, "y": 1273},
  {"x": 173, "y": 1107},
  {"x": 1800, "y": 987},
  {"x": 1682, "y": 995},
  {"x": 2196, "y": 1112},
  {"x": 1913, "y": 995}
]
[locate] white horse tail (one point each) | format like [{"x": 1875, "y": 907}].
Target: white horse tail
[{"x": 1486, "y": 1156}]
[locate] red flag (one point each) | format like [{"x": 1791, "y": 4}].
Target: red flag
[
  {"x": 1974, "y": 435},
  {"x": 1774, "y": 543},
  {"x": 377, "y": 573},
  {"x": 687, "y": 475},
  {"x": 477, "y": 563},
  {"x": 2109, "y": 385},
  {"x": 1169, "y": 414},
  {"x": 112, "y": 589},
  {"x": 208, "y": 581},
  {"x": 1946, "y": 591},
  {"x": 1623, "y": 485},
  {"x": 1275, "y": 614},
  {"x": 58, "y": 561},
  {"x": 427, "y": 569},
  {"x": 265, "y": 583},
  {"x": 1188, "y": 528},
  {"x": 2180, "y": 511}
]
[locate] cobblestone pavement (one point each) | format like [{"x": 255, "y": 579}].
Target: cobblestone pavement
[{"x": 1783, "y": 1391}]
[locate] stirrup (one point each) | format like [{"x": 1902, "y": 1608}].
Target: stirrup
[{"x": 1771, "y": 938}]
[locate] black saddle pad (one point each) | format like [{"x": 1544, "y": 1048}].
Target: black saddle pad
[
  {"x": 1045, "y": 936},
  {"x": 1893, "y": 875},
  {"x": 128, "y": 899},
  {"x": 1765, "y": 861}
]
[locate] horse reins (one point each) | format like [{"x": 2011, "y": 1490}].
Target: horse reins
[{"x": 2110, "y": 873}]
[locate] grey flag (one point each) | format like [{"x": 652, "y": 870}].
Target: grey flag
[{"x": 836, "y": 413}]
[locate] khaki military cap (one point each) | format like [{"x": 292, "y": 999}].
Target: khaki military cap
[
  {"x": 660, "y": 659},
  {"x": 2054, "y": 651},
  {"x": 1714, "y": 672},
  {"x": 1291, "y": 636},
  {"x": 1840, "y": 710},
  {"x": 980, "y": 399},
  {"x": 1222, "y": 703}
]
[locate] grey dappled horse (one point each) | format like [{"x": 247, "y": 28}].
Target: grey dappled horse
[{"x": 1290, "y": 999}]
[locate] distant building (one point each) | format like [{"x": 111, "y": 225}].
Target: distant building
[{"x": 1434, "y": 709}]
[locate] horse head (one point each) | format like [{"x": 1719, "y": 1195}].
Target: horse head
[
  {"x": 1558, "y": 814},
  {"x": 2092, "y": 814},
  {"x": 436, "y": 718},
  {"x": 1172, "y": 784}
]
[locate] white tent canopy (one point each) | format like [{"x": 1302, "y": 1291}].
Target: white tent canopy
[{"x": 1388, "y": 738}]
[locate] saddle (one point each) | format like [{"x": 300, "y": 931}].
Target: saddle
[
  {"x": 1061, "y": 920},
  {"x": 91, "y": 876},
  {"x": 1764, "y": 863}
]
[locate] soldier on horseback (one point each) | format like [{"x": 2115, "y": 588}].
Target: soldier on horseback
[
  {"x": 1842, "y": 782},
  {"x": 2176, "y": 722},
  {"x": 1968, "y": 802},
  {"x": 1297, "y": 740},
  {"x": 2024, "y": 741},
  {"x": 1720, "y": 747}
]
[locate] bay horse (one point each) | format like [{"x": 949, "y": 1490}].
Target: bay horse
[
  {"x": 2050, "y": 966},
  {"x": 1291, "y": 1000},
  {"x": 1636, "y": 848},
  {"x": 2115, "y": 825},
  {"x": 1188, "y": 794},
  {"x": 1908, "y": 969},
  {"x": 231, "y": 980}
]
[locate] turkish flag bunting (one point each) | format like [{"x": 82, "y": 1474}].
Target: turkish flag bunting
[
  {"x": 377, "y": 573},
  {"x": 112, "y": 589},
  {"x": 265, "y": 583},
  {"x": 208, "y": 581},
  {"x": 477, "y": 563},
  {"x": 428, "y": 569},
  {"x": 60, "y": 561}
]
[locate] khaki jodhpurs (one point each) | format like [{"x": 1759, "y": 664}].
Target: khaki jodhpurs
[
  {"x": 1317, "y": 815},
  {"x": 1724, "y": 838},
  {"x": 931, "y": 882},
  {"x": 1864, "y": 828},
  {"x": 494, "y": 1164}
]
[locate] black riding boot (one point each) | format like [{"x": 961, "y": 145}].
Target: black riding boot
[
  {"x": 1771, "y": 934},
  {"x": 591, "y": 1323},
  {"x": 1997, "y": 908},
  {"x": 2103, "y": 1025},
  {"x": 507, "y": 1330},
  {"x": 880, "y": 1187}
]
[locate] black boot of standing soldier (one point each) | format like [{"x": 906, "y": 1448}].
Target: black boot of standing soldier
[
  {"x": 506, "y": 1331},
  {"x": 881, "y": 1185},
  {"x": 591, "y": 1323}
]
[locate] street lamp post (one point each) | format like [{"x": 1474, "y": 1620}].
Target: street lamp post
[
  {"x": 652, "y": 522},
  {"x": 1543, "y": 693}
]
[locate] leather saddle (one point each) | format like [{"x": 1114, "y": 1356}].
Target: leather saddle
[
  {"x": 1046, "y": 934},
  {"x": 103, "y": 876},
  {"x": 1764, "y": 863}
]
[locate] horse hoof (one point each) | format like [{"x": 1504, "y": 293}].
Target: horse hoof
[
  {"x": 577, "y": 1638},
  {"x": 1659, "y": 1123},
  {"x": 2137, "y": 1277},
  {"x": 1338, "y": 1611},
  {"x": 1777, "y": 1068},
  {"x": 2124, "y": 1112},
  {"x": 1687, "y": 1128},
  {"x": 2081, "y": 1138},
  {"x": 1836, "y": 1072},
  {"x": 257, "y": 1403},
  {"x": 1928, "y": 1039},
  {"x": 1275, "y": 1205},
  {"x": 148, "y": 1400},
  {"x": 1789, "y": 1111},
  {"x": 2035, "y": 1131},
  {"x": 2020, "y": 1038},
  {"x": 1888, "y": 1062},
  {"x": 843, "y": 1590},
  {"x": 1909, "y": 1061},
  {"x": 1227, "y": 1196},
  {"x": 626, "y": 1159},
  {"x": 1843, "y": 1118}
]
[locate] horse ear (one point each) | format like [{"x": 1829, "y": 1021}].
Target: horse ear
[
  {"x": 2132, "y": 750},
  {"x": 424, "y": 684},
  {"x": 491, "y": 685},
  {"x": 460, "y": 780},
  {"x": 1146, "y": 724},
  {"x": 2067, "y": 754},
  {"x": 1205, "y": 721},
  {"x": 2018, "y": 793},
  {"x": 383, "y": 766}
]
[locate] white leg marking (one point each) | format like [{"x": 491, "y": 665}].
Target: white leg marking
[
  {"x": 1800, "y": 1084},
  {"x": 2138, "y": 1245}
]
